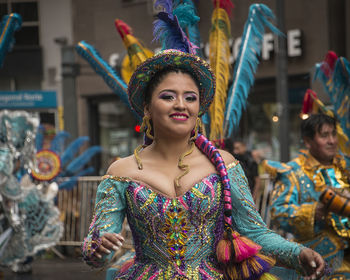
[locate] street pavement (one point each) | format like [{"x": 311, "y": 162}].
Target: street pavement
[{"x": 55, "y": 268}]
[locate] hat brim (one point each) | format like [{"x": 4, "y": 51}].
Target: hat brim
[{"x": 171, "y": 58}]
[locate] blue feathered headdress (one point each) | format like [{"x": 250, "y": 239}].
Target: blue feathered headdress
[{"x": 247, "y": 63}]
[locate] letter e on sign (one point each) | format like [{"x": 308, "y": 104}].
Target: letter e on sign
[{"x": 294, "y": 42}]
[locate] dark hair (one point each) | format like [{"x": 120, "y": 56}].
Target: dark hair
[
  {"x": 158, "y": 78},
  {"x": 314, "y": 123}
]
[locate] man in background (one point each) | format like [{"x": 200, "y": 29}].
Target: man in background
[{"x": 297, "y": 205}]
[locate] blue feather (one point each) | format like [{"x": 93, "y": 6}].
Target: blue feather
[
  {"x": 166, "y": 4},
  {"x": 39, "y": 138},
  {"x": 246, "y": 64},
  {"x": 9, "y": 25},
  {"x": 90, "y": 54},
  {"x": 206, "y": 118},
  {"x": 167, "y": 30},
  {"x": 72, "y": 181},
  {"x": 57, "y": 143},
  {"x": 68, "y": 184},
  {"x": 338, "y": 88},
  {"x": 73, "y": 149},
  {"x": 186, "y": 13},
  {"x": 83, "y": 159}
]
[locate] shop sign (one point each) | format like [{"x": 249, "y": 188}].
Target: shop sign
[
  {"x": 269, "y": 44},
  {"x": 27, "y": 99}
]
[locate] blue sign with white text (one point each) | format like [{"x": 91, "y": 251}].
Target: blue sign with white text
[{"x": 28, "y": 99}]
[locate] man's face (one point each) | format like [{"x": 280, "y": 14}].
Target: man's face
[
  {"x": 324, "y": 145},
  {"x": 239, "y": 148}
]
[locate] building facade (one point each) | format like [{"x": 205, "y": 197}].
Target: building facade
[
  {"x": 31, "y": 73},
  {"x": 91, "y": 108}
]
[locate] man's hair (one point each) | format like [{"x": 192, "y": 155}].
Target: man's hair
[{"x": 314, "y": 123}]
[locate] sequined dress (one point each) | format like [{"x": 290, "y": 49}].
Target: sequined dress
[{"x": 175, "y": 238}]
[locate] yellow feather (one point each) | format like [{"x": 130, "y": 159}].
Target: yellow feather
[
  {"x": 219, "y": 54},
  {"x": 136, "y": 55},
  {"x": 268, "y": 276}
]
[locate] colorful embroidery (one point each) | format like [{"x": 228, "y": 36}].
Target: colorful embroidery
[
  {"x": 176, "y": 238},
  {"x": 176, "y": 228}
]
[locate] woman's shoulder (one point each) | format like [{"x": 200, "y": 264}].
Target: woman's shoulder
[
  {"x": 228, "y": 158},
  {"x": 122, "y": 167}
]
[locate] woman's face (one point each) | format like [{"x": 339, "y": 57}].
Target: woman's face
[{"x": 174, "y": 105}]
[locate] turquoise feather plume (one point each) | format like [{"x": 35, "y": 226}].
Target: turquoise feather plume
[
  {"x": 337, "y": 84},
  {"x": 58, "y": 142},
  {"x": 246, "y": 64},
  {"x": 39, "y": 138},
  {"x": 186, "y": 13},
  {"x": 167, "y": 30},
  {"x": 73, "y": 149},
  {"x": 9, "y": 25},
  {"x": 72, "y": 181},
  {"x": 78, "y": 163},
  {"x": 90, "y": 54}
]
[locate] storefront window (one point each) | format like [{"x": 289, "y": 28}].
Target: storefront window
[
  {"x": 259, "y": 126},
  {"x": 116, "y": 132}
]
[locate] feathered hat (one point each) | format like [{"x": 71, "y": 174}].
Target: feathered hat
[{"x": 178, "y": 52}]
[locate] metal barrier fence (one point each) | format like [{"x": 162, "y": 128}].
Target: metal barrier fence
[{"x": 77, "y": 207}]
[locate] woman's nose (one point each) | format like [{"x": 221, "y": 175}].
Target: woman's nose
[{"x": 179, "y": 103}]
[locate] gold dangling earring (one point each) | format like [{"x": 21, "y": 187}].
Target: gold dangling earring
[
  {"x": 197, "y": 128},
  {"x": 146, "y": 124}
]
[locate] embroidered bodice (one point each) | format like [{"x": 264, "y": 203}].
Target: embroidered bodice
[{"x": 177, "y": 237}]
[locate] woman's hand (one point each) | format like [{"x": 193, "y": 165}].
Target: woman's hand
[
  {"x": 109, "y": 242},
  {"x": 312, "y": 263}
]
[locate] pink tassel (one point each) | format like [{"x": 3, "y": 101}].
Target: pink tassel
[{"x": 244, "y": 247}]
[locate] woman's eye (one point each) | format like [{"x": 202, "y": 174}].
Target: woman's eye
[
  {"x": 167, "y": 96},
  {"x": 191, "y": 98}
]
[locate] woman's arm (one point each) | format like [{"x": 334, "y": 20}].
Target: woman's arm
[
  {"x": 249, "y": 223},
  {"x": 106, "y": 224}
]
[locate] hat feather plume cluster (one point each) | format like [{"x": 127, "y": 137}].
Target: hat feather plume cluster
[
  {"x": 167, "y": 30},
  {"x": 186, "y": 13}
]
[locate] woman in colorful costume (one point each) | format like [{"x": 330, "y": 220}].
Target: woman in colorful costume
[{"x": 193, "y": 224}]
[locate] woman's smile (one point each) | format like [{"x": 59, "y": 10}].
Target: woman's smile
[{"x": 179, "y": 117}]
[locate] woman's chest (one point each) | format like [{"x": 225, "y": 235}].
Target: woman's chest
[
  {"x": 172, "y": 182},
  {"x": 203, "y": 199}
]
